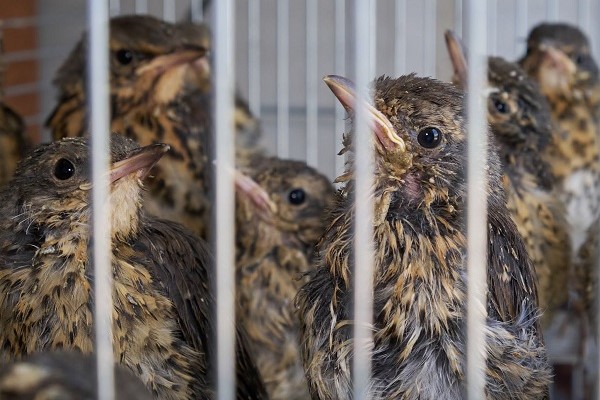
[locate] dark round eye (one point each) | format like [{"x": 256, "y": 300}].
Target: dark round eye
[
  {"x": 429, "y": 137},
  {"x": 579, "y": 59},
  {"x": 297, "y": 196},
  {"x": 64, "y": 169},
  {"x": 124, "y": 56},
  {"x": 501, "y": 106}
]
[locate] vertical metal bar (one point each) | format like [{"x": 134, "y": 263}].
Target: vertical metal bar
[
  {"x": 521, "y": 24},
  {"x": 363, "y": 224},
  {"x": 400, "y": 38},
  {"x": 169, "y": 10},
  {"x": 552, "y": 10},
  {"x": 141, "y": 6},
  {"x": 492, "y": 26},
  {"x": 196, "y": 10},
  {"x": 584, "y": 13},
  {"x": 430, "y": 20},
  {"x": 340, "y": 68},
  {"x": 100, "y": 128},
  {"x": 476, "y": 200},
  {"x": 115, "y": 7},
  {"x": 224, "y": 238},
  {"x": 458, "y": 18},
  {"x": 312, "y": 100},
  {"x": 283, "y": 78},
  {"x": 254, "y": 57}
]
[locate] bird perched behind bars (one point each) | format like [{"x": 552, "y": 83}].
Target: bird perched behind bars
[
  {"x": 419, "y": 319},
  {"x": 280, "y": 215},
  {"x": 519, "y": 118},
  {"x": 63, "y": 375},
  {"x": 160, "y": 91},
  {"x": 12, "y": 134},
  {"x": 163, "y": 327},
  {"x": 558, "y": 57}
]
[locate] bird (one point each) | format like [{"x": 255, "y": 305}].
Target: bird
[
  {"x": 280, "y": 215},
  {"x": 419, "y": 252},
  {"x": 64, "y": 375},
  {"x": 163, "y": 322},
  {"x": 160, "y": 91},
  {"x": 13, "y": 143},
  {"x": 519, "y": 119},
  {"x": 559, "y": 58}
]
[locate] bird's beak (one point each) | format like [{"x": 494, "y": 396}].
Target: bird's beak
[
  {"x": 556, "y": 59},
  {"x": 457, "y": 56},
  {"x": 344, "y": 90},
  {"x": 259, "y": 197},
  {"x": 165, "y": 62},
  {"x": 142, "y": 160}
]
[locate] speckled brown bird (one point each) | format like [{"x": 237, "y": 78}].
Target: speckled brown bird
[
  {"x": 63, "y": 375},
  {"x": 559, "y": 59},
  {"x": 419, "y": 263},
  {"x": 12, "y": 134},
  {"x": 163, "y": 327},
  {"x": 276, "y": 236},
  {"x": 161, "y": 91},
  {"x": 519, "y": 118}
]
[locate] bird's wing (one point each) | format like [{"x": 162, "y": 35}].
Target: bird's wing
[
  {"x": 511, "y": 278},
  {"x": 184, "y": 270}
]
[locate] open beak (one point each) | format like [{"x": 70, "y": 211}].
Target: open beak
[
  {"x": 165, "y": 62},
  {"x": 258, "y": 196},
  {"x": 142, "y": 160},
  {"x": 344, "y": 90},
  {"x": 458, "y": 57}
]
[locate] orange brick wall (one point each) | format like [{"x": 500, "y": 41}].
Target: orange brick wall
[{"x": 19, "y": 31}]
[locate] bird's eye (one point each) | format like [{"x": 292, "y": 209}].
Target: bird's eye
[
  {"x": 429, "y": 137},
  {"x": 297, "y": 196},
  {"x": 501, "y": 106},
  {"x": 579, "y": 59},
  {"x": 124, "y": 56},
  {"x": 64, "y": 169}
]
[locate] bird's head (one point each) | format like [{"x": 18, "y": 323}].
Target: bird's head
[
  {"x": 289, "y": 196},
  {"x": 420, "y": 146},
  {"x": 518, "y": 113},
  {"x": 151, "y": 62},
  {"x": 52, "y": 186},
  {"x": 559, "y": 58}
]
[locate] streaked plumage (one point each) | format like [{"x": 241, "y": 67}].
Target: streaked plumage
[
  {"x": 163, "y": 307},
  {"x": 419, "y": 277},
  {"x": 275, "y": 246}
]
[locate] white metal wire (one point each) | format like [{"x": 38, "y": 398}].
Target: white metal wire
[
  {"x": 584, "y": 14},
  {"x": 552, "y": 10},
  {"x": 115, "y": 7},
  {"x": 283, "y": 78},
  {"x": 340, "y": 68},
  {"x": 254, "y": 60},
  {"x": 400, "y": 38},
  {"x": 100, "y": 128},
  {"x": 492, "y": 26},
  {"x": 458, "y": 18},
  {"x": 476, "y": 200},
  {"x": 430, "y": 37},
  {"x": 312, "y": 100},
  {"x": 197, "y": 10},
  {"x": 521, "y": 24},
  {"x": 363, "y": 224},
  {"x": 141, "y": 6},
  {"x": 169, "y": 10},
  {"x": 224, "y": 202}
]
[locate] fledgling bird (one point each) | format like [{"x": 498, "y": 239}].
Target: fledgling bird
[
  {"x": 63, "y": 375},
  {"x": 420, "y": 263},
  {"x": 519, "y": 119},
  {"x": 12, "y": 135},
  {"x": 160, "y": 91},
  {"x": 163, "y": 322},
  {"x": 558, "y": 57},
  {"x": 280, "y": 215}
]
